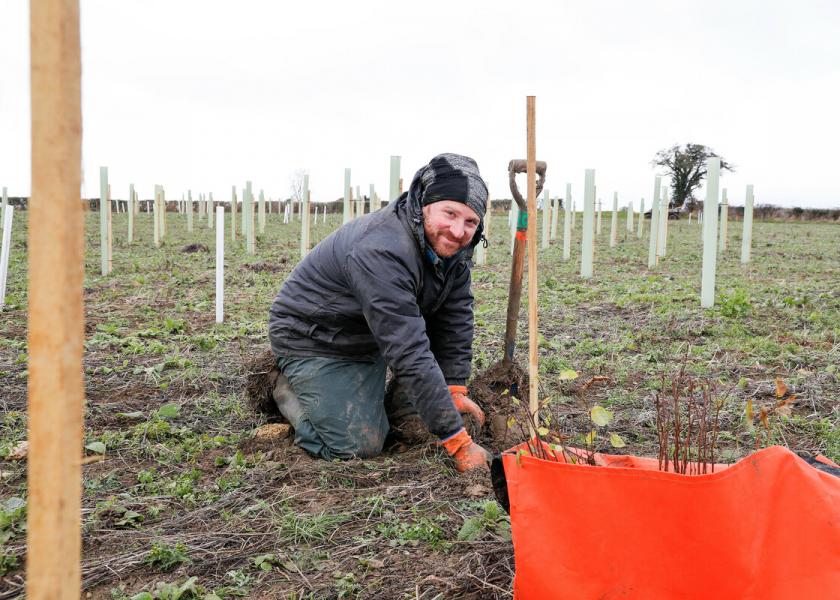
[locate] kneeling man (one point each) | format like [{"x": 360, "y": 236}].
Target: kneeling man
[{"x": 389, "y": 289}]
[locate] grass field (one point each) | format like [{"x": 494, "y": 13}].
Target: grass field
[{"x": 186, "y": 490}]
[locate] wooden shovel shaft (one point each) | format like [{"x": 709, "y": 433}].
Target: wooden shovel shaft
[{"x": 515, "y": 289}]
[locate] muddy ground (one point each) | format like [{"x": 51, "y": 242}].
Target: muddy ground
[{"x": 186, "y": 488}]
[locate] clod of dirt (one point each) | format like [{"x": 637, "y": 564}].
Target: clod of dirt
[
  {"x": 492, "y": 390},
  {"x": 264, "y": 267},
  {"x": 261, "y": 374},
  {"x": 273, "y": 431},
  {"x": 189, "y": 248}
]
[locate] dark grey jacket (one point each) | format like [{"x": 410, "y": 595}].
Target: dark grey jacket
[{"x": 371, "y": 289}]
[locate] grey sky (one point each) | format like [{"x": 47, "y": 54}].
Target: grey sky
[{"x": 205, "y": 95}]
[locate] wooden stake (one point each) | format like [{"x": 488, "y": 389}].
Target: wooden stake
[
  {"x": 533, "y": 373},
  {"x": 56, "y": 310}
]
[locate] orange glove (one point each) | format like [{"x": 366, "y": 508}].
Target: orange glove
[
  {"x": 464, "y": 404},
  {"x": 467, "y": 454}
]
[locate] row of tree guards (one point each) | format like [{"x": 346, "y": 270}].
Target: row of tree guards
[{"x": 203, "y": 207}]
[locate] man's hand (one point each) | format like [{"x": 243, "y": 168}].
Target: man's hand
[
  {"x": 465, "y": 405},
  {"x": 467, "y": 454}
]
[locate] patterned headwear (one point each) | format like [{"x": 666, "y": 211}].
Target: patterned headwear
[{"x": 451, "y": 177}]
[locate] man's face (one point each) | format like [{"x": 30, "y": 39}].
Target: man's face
[{"x": 449, "y": 226}]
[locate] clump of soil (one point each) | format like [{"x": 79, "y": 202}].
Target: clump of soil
[
  {"x": 261, "y": 374},
  {"x": 492, "y": 390},
  {"x": 264, "y": 267},
  {"x": 190, "y": 248}
]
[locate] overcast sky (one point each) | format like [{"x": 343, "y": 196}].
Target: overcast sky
[{"x": 204, "y": 95}]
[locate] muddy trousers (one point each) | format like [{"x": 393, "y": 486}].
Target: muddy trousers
[{"x": 339, "y": 411}]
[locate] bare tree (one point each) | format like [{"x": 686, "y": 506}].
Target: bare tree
[{"x": 686, "y": 166}]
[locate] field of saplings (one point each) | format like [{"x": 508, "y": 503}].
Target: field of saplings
[{"x": 189, "y": 494}]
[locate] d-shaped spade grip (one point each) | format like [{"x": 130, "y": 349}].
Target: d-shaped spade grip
[{"x": 521, "y": 166}]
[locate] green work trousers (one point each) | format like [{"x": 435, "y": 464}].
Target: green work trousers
[{"x": 343, "y": 410}]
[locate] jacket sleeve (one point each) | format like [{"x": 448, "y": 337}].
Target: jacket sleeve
[
  {"x": 450, "y": 331},
  {"x": 386, "y": 288}
]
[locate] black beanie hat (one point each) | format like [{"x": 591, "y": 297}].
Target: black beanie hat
[{"x": 451, "y": 177}]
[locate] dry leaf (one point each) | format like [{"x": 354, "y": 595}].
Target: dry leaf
[
  {"x": 781, "y": 388},
  {"x": 762, "y": 415},
  {"x": 784, "y": 407},
  {"x": 20, "y": 451},
  {"x": 592, "y": 380},
  {"x": 748, "y": 411},
  {"x": 568, "y": 375}
]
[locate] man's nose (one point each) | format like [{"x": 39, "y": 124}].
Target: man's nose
[{"x": 457, "y": 229}]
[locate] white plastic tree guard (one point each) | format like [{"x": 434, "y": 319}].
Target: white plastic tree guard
[
  {"x": 567, "y": 223},
  {"x": 614, "y": 222},
  {"x": 710, "y": 226},
  {"x": 641, "y": 219},
  {"x": 304, "y": 218},
  {"x": 104, "y": 221},
  {"x": 394, "y": 186},
  {"x": 653, "y": 255},
  {"x": 220, "y": 264},
  {"x": 587, "y": 250},
  {"x": 746, "y": 238},
  {"x": 546, "y": 223},
  {"x": 5, "y": 249},
  {"x": 724, "y": 220}
]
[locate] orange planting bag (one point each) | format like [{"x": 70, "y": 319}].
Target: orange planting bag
[{"x": 766, "y": 527}]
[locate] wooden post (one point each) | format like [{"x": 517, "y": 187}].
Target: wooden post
[
  {"x": 614, "y": 222},
  {"x": 567, "y": 223},
  {"x": 56, "y": 310},
  {"x": 724, "y": 220},
  {"x": 130, "y": 211},
  {"x": 746, "y": 238},
  {"x": 641, "y": 219},
  {"x": 587, "y": 253},
  {"x": 710, "y": 213},
  {"x": 533, "y": 372},
  {"x": 233, "y": 213},
  {"x": 261, "y": 213},
  {"x": 220, "y": 264},
  {"x": 394, "y": 188},
  {"x": 5, "y": 250},
  {"x": 653, "y": 255},
  {"x": 304, "y": 218},
  {"x": 546, "y": 221},
  {"x": 104, "y": 214}
]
